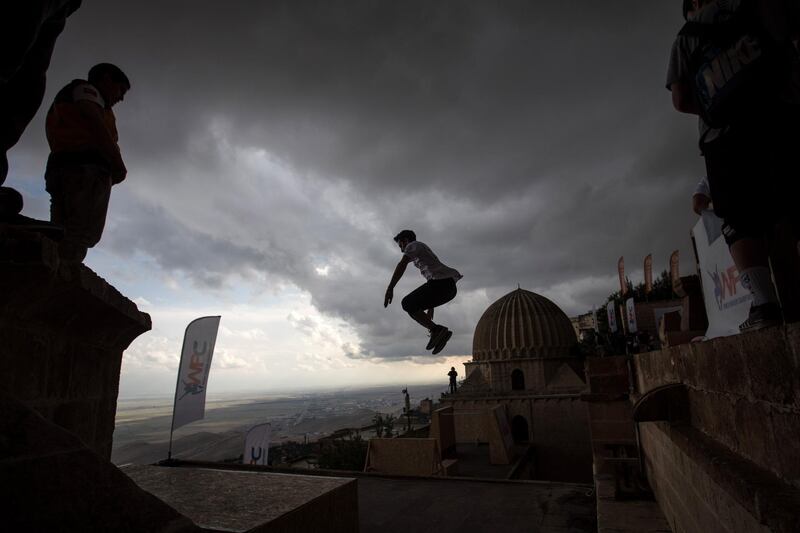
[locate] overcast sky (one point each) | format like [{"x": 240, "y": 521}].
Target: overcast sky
[{"x": 274, "y": 149}]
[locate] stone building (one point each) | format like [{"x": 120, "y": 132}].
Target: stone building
[{"x": 523, "y": 358}]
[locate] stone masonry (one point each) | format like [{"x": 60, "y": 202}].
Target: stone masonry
[
  {"x": 736, "y": 466},
  {"x": 62, "y": 333}
]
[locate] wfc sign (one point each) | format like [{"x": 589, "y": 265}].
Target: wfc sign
[{"x": 190, "y": 392}]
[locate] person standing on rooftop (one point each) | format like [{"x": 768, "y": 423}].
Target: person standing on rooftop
[
  {"x": 747, "y": 126},
  {"x": 85, "y": 159}
]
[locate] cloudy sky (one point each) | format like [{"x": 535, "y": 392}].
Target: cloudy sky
[{"x": 274, "y": 148}]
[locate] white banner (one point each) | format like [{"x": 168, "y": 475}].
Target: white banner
[
  {"x": 256, "y": 445},
  {"x": 612, "y": 317},
  {"x": 727, "y": 302},
  {"x": 190, "y": 392},
  {"x": 630, "y": 313}
]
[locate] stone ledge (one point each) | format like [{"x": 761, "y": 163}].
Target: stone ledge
[
  {"x": 52, "y": 482},
  {"x": 743, "y": 392},
  {"x": 228, "y": 500},
  {"x": 682, "y": 459},
  {"x": 62, "y": 333},
  {"x": 760, "y": 366},
  {"x": 38, "y": 288},
  {"x": 626, "y": 516}
]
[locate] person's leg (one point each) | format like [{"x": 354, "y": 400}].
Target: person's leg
[
  {"x": 79, "y": 203},
  {"x": 740, "y": 178},
  {"x": 417, "y": 302}
]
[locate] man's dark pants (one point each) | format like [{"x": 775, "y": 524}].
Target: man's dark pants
[
  {"x": 754, "y": 174},
  {"x": 433, "y": 293},
  {"x": 79, "y": 196}
]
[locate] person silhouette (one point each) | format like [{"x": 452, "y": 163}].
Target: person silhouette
[
  {"x": 439, "y": 288},
  {"x": 85, "y": 159},
  {"x": 453, "y": 375}
]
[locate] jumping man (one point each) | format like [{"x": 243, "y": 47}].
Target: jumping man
[{"x": 439, "y": 288}]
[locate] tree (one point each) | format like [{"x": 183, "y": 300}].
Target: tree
[
  {"x": 388, "y": 422},
  {"x": 379, "y": 422}
]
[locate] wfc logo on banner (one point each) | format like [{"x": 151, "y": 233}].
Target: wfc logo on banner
[
  {"x": 198, "y": 349},
  {"x": 727, "y": 302}
]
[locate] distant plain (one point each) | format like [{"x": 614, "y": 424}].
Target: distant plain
[{"x": 142, "y": 428}]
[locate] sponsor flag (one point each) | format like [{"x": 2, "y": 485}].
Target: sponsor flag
[
  {"x": 190, "y": 391},
  {"x": 674, "y": 268},
  {"x": 256, "y": 445},
  {"x": 648, "y": 274},
  {"x": 594, "y": 320},
  {"x": 630, "y": 313},
  {"x": 612, "y": 317},
  {"x": 623, "y": 287},
  {"x": 727, "y": 302}
]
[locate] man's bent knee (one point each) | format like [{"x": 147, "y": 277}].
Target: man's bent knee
[{"x": 409, "y": 306}]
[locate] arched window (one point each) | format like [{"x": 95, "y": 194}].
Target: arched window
[
  {"x": 519, "y": 429},
  {"x": 517, "y": 380}
]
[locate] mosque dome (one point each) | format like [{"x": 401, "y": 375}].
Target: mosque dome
[{"x": 522, "y": 324}]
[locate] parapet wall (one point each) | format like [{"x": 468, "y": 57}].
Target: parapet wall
[
  {"x": 735, "y": 466},
  {"x": 744, "y": 392},
  {"x": 63, "y": 330}
]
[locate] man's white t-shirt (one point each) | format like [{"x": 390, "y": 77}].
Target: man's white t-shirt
[{"x": 427, "y": 262}]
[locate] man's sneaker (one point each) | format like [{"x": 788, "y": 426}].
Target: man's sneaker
[
  {"x": 762, "y": 316},
  {"x": 443, "y": 338},
  {"x": 435, "y": 333}
]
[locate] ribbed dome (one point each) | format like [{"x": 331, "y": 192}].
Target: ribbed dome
[{"x": 522, "y": 324}]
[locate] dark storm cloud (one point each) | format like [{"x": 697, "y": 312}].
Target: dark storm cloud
[{"x": 526, "y": 142}]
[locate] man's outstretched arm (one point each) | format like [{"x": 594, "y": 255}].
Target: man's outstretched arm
[{"x": 398, "y": 273}]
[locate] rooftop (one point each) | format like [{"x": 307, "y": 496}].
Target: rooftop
[{"x": 222, "y": 499}]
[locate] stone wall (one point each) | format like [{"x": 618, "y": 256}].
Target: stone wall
[
  {"x": 62, "y": 333},
  {"x": 744, "y": 392},
  {"x": 736, "y": 465},
  {"x": 558, "y": 429}
]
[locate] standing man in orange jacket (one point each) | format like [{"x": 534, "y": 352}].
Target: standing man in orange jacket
[{"x": 85, "y": 159}]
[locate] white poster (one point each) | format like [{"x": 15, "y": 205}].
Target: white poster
[
  {"x": 630, "y": 313},
  {"x": 256, "y": 445},
  {"x": 612, "y": 317},
  {"x": 727, "y": 302},
  {"x": 190, "y": 392}
]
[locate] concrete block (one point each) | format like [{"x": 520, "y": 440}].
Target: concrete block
[
  {"x": 26, "y": 379},
  {"x": 600, "y": 366},
  {"x": 219, "y": 500},
  {"x": 59, "y": 374},
  {"x": 714, "y": 415},
  {"x": 615, "y": 383},
  {"x": 620, "y": 410},
  {"x": 79, "y": 417},
  {"x": 51, "y": 482},
  {"x": 611, "y": 431},
  {"x": 769, "y": 366},
  {"x": 786, "y": 434},
  {"x": 756, "y": 436}
]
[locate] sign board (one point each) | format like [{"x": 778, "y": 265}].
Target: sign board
[
  {"x": 630, "y": 315},
  {"x": 623, "y": 286},
  {"x": 256, "y": 445},
  {"x": 674, "y": 268},
  {"x": 727, "y": 302},
  {"x": 190, "y": 391},
  {"x": 612, "y": 317},
  {"x": 648, "y": 274}
]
